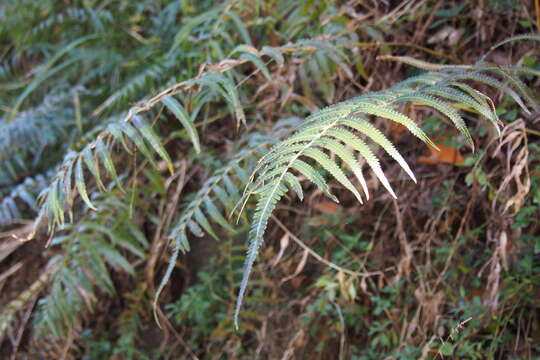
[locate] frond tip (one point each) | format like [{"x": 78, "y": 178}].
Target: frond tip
[{"x": 344, "y": 130}]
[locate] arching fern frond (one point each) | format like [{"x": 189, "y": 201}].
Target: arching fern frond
[
  {"x": 58, "y": 197},
  {"x": 218, "y": 195},
  {"x": 215, "y": 82},
  {"x": 344, "y": 130},
  {"x": 531, "y": 36}
]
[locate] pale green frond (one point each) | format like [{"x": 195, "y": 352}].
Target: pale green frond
[
  {"x": 272, "y": 172},
  {"x": 364, "y": 150},
  {"x": 444, "y": 108},
  {"x": 333, "y": 169},
  {"x": 461, "y": 97},
  {"x": 46, "y": 71},
  {"x": 531, "y": 36},
  {"x": 281, "y": 153},
  {"x": 347, "y": 157},
  {"x": 134, "y": 136},
  {"x": 331, "y": 128},
  {"x": 55, "y": 203},
  {"x": 119, "y": 137},
  {"x": 257, "y": 61},
  {"x": 380, "y": 139},
  {"x": 195, "y": 228},
  {"x": 265, "y": 207},
  {"x": 67, "y": 189},
  {"x": 240, "y": 25},
  {"x": 481, "y": 99},
  {"x": 185, "y": 30},
  {"x": 225, "y": 87},
  {"x": 514, "y": 82},
  {"x": 203, "y": 221},
  {"x": 274, "y": 53},
  {"x": 398, "y": 117},
  {"x": 313, "y": 175},
  {"x": 294, "y": 184},
  {"x": 179, "y": 243},
  {"x": 491, "y": 81},
  {"x": 215, "y": 214},
  {"x": 223, "y": 197}
]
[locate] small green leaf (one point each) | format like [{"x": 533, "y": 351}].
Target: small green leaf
[
  {"x": 256, "y": 60},
  {"x": 108, "y": 162},
  {"x": 149, "y": 134},
  {"x": 134, "y": 136},
  {"x": 181, "y": 114},
  {"x": 92, "y": 165},
  {"x": 81, "y": 185},
  {"x": 446, "y": 349}
]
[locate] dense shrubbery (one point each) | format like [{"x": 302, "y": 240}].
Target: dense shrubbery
[{"x": 133, "y": 127}]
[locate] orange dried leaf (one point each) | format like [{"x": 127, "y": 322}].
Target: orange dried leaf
[
  {"x": 397, "y": 130},
  {"x": 446, "y": 155},
  {"x": 327, "y": 207}
]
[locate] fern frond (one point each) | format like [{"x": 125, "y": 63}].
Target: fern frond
[
  {"x": 90, "y": 248},
  {"x": 531, "y": 36},
  {"x": 47, "y": 70},
  {"x": 31, "y": 132},
  {"x": 330, "y": 131},
  {"x": 147, "y": 76},
  {"x": 252, "y": 55},
  {"x": 218, "y": 196},
  {"x": 226, "y": 88},
  {"x": 131, "y": 128},
  {"x": 58, "y": 198}
]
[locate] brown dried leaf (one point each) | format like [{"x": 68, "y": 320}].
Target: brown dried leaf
[
  {"x": 446, "y": 155},
  {"x": 283, "y": 244},
  {"x": 299, "y": 268},
  {"x": 328, "y": 207}
]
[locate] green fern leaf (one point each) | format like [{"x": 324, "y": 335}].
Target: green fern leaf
[
  {"x": 181, "y": 114},
  {"x": 330, "y": 130},
  {"x": 256, "y": 60},
  {"x": 92, "y": 165},
  {"x": 134, "y": 136},
  {"x": 444, "y": 108},
  {"x": 81, "y": 185},
  {"x": 265, "y": 207},
  {"x": 149, "y": 134},
  {"x": 106, "y": 158}
]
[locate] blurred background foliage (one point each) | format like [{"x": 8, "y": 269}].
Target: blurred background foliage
[{"x": 451, "y": 269}]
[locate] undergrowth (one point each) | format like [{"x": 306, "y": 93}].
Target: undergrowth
[{"x": 149, "y": 148}]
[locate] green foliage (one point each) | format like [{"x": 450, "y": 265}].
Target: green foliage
[
  {"x": 218, "y": 196},
  {"x": 144, "y": 120},
  {"x": 332, "y": 129},
  {"x": 103, "y": 240}
]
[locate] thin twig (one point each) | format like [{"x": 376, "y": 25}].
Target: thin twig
[
  {"x": 22, "y": 327},
  {"x": 323, "y": 260}
]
